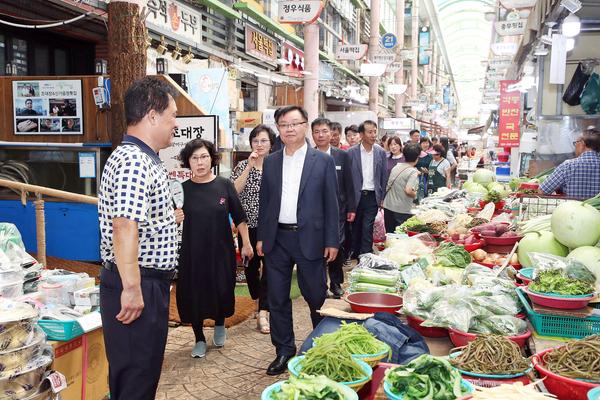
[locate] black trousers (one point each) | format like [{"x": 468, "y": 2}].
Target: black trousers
[
  {"x": 336, "y": 273},
  {"x": 311, "y": 280},
  {"x": 393, "y": 219},
  {"x": 135, "y": 352},
  {"x": 256, "y": 278},
  {"x": 366, "y": 212}
]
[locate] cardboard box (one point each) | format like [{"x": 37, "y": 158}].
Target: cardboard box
[
  {"x": 68, "y": 360},
  {"x": 95, "y": 366}
]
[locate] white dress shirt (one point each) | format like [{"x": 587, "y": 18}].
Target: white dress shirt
[
  {"x": 366, "y": 160},
  {"x": 290, "y": 185}
]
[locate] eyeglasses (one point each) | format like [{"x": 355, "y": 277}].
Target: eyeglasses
[
  {"x": 203, "y": 157},
  {"x": 577, "y": 141},
  {"x": 262, "y": 141},
  {"x": 293, "y": 125}
]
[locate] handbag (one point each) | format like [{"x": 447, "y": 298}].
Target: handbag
[
  {"x": 590, "y": 97},
  {"x": 573, "y": 93}
]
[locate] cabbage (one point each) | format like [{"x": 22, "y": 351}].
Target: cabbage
[
  {"x": 539, "y": 242},
  {"x": 575, "y": 224},
  {"x": 590, "y": 257},
  {"x": 475, "y": 188},
  {"x": 483, "y": 176},
  {"x": 498, "y": 187}
]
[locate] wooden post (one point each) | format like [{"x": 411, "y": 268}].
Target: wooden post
[
  {"x": 40, "y": 229},
  {"x": 126, "y": 59}
]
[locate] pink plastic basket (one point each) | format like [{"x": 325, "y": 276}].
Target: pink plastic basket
[
  {"x": 564, "y": 303},
  {"x": 460, "y": 338}
]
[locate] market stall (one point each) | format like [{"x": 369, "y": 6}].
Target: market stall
[
  {"x": 50, "y": 329},
  {"x": 485, "y": 293}
]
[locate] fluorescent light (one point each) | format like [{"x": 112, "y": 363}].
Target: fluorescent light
[
  {"x": 570, "y": 44},
  {"x": 571, "y": 26}
]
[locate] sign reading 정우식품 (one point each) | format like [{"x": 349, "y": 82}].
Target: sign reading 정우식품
[{"x": 299, "y": 11}]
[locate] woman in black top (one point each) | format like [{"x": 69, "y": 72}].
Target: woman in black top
[
  {"x": 395, "y": 157},
  {"x": 423, "y": 166},
  {"x": 207, "y": 266},
  {"x": 246, "y": 177}
]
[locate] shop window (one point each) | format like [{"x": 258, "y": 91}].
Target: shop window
[
  {"x": 41, "y": 64},
  {"x": 249, "y": 93},
  {"x": 19, "y": 56},
  {"x": 61, "y": 66}
]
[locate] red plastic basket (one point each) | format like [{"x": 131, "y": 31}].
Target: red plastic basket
[
  {"x": 560, "y": 386},
  {"x": 563, "y": 303},
  {"x": 432, "y": 332},
  {"x": 493, "y": 382},
  {"x": 497, "y": 206},
  {"x": 502, "y": 241},
  {"x": 469, "y": 247},
  {"x": 460, "y": 338}
]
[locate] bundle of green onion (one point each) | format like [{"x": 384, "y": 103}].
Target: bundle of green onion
[
  {"x": 353, "y": 338},
  {"x": 333, "y": 362}
]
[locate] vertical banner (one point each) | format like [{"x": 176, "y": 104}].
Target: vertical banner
[
  {"x": 424, "y": 43},
  {"x": 509, "y": 116}
]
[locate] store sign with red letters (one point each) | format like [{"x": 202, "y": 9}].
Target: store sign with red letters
[
  {"x": 260, "y": 45},
  {"x": 299, "y": 11},
  {"x": 509, "y": 116}
]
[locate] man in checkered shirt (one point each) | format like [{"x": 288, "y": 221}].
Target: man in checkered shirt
[
  {"x": 580, "y": 177},
  {"x": 138, "y": 243}
]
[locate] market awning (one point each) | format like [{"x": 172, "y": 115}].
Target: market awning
[{"x": 220, "y": 7}]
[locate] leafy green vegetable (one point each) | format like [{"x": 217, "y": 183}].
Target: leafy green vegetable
[
  {"x": 309, "y": 388},
  {"x": 425, "y": 378},
  {"x": 409, "y": 224},
  {"x": 493, "y": 196},
  {"x": 451, "y": 255},
  {"x": 379, "y": 278},
  {"x": 371, "y": 287},
  {"x": 554, "y": 281},
  {"x": 353, "y": 338}
]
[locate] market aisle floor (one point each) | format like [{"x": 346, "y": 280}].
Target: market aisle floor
[{"x": 236, "y": 371}]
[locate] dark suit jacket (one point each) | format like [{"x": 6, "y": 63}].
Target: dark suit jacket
[
  {"x": 346, "y": 195},
  {"x": 380, "y": 175},
  {"x": 317, "y": 213}
]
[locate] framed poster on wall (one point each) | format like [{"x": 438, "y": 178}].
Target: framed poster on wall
[{"x": 47, "y": 107}]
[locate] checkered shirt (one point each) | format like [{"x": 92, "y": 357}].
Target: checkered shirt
[
  {"x": 134, "y": 185},
  {"x": 578, "y": 178}
]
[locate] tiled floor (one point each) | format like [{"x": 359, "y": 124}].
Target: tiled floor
[{"x": 237, "y": 371}]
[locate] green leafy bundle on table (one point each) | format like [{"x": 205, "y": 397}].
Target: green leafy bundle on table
[
  {"x": 308, "y": 388},
  {"x": 555, "y": 281},
  {"x": 451, "y": 255}
]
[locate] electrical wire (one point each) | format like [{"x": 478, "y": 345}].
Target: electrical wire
[{"x": 45, "y": 26}]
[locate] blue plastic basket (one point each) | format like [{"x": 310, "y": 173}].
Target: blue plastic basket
[
  {"x": 60, "y": 330},
  {"x": 558, "y": 325},
  {"x": 594, "y": 394},
  {"x": 348, "y": 393},
  {"x": 466, "y": 386},
  {"x": 295, "y": 369}
]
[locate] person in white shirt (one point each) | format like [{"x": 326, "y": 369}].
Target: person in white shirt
[
  {"x": 297, "y": 225},
  {"x": 369, "y": 172}
]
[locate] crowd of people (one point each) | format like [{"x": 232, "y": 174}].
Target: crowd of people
[{"x": 293, "y": 206}]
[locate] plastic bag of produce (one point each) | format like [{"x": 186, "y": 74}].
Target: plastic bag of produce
[
  {"x": 571, "y": 268},
  {"x": 441, "y": 276},
  {"x": 420, "y": 298},
  {"x": 370, "y": 287},
  {"x": 10, "y": 234},
  {"x": 451, "y": 311},
  {"x": 507, "y": 325},
  {"x": 375, "y": 262},
  {"x": 368, "y": 275}
]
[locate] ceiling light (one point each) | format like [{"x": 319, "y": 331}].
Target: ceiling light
[
  {"x": 188, "y": 57},
  {"x": 162, "y": 46},
  {"x": 571, "y": 26},
  {"x": 176, "y": 53},
  {"x": 570, "y": 44}
]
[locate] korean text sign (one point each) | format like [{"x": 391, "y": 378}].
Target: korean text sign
[{"x": 509, "y": 115}]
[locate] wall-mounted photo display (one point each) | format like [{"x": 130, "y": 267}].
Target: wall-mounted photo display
[{"x": 57, "y": 104}]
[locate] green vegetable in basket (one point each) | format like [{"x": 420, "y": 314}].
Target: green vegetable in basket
[
  {"x": 554, "y": 281},
  {"x": 353, "y": 338},
  {"x": 425, "y": 378},
  {"x": 451, "y": 255},
  {"x": 333, "y": 362},
  {"x": 409, "y": 224},
  {"x": 371, "y": 287},
  {"x": 308, "y": 388}
]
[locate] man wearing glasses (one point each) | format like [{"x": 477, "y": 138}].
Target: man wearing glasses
[
  {"x": 578, "y": 178},
  {"x": 297, "y": 225}
]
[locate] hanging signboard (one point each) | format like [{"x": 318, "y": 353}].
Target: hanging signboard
[
  {"x": 175, "y": 20},
  {"x": 398, "y": 123},
  {"x": 509, "y": 116},
  {"x": 47, "y": 107},
  {"x": 511, "y": 28},
  {"x": 394, "y": 67},
  {"x": 388, "y": 41},
  {"x": 188, "y": 128},
  {"x": 500, "y": 62},
  {"x": 299, "y": 11},
  {"x": 351, "y": 51},
  {"x": 424, "y": 42},
  {"x": 505, "y": 49},
  {"x": 260, "y": 45},
  {"x": 510, "y": 4},
  {"x": 383, "y": 58},
  {"x": 295, "y": 59}
]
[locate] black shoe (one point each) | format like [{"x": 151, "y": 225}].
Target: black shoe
[
  {"x": 337, "y": 290},
  {"x": 279, "y": 365}
]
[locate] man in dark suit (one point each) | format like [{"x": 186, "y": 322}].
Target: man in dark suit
[
  {"x": 369, "y": 171},
  {"x": 297, "y": 224},
  {"x": 322, "y": 133}
]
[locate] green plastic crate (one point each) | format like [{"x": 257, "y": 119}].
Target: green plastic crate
[
  {"x": 559, "y": 326},
  {"x": 60, "y": 330}
]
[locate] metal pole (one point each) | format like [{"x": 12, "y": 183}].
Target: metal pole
[
  {"x": 415, "y": 48},
  {"x": 311, "y": 79},
  {"x": 374, "y": 49},
  {"x": 399, "y": 76}
]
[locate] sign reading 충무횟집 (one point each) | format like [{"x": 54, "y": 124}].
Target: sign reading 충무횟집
[
  {"x": 51, "y": 107},
  {"x": 188, "y": 128}
]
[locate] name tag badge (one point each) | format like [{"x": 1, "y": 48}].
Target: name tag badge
[{"x": 338, "y": 167}]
